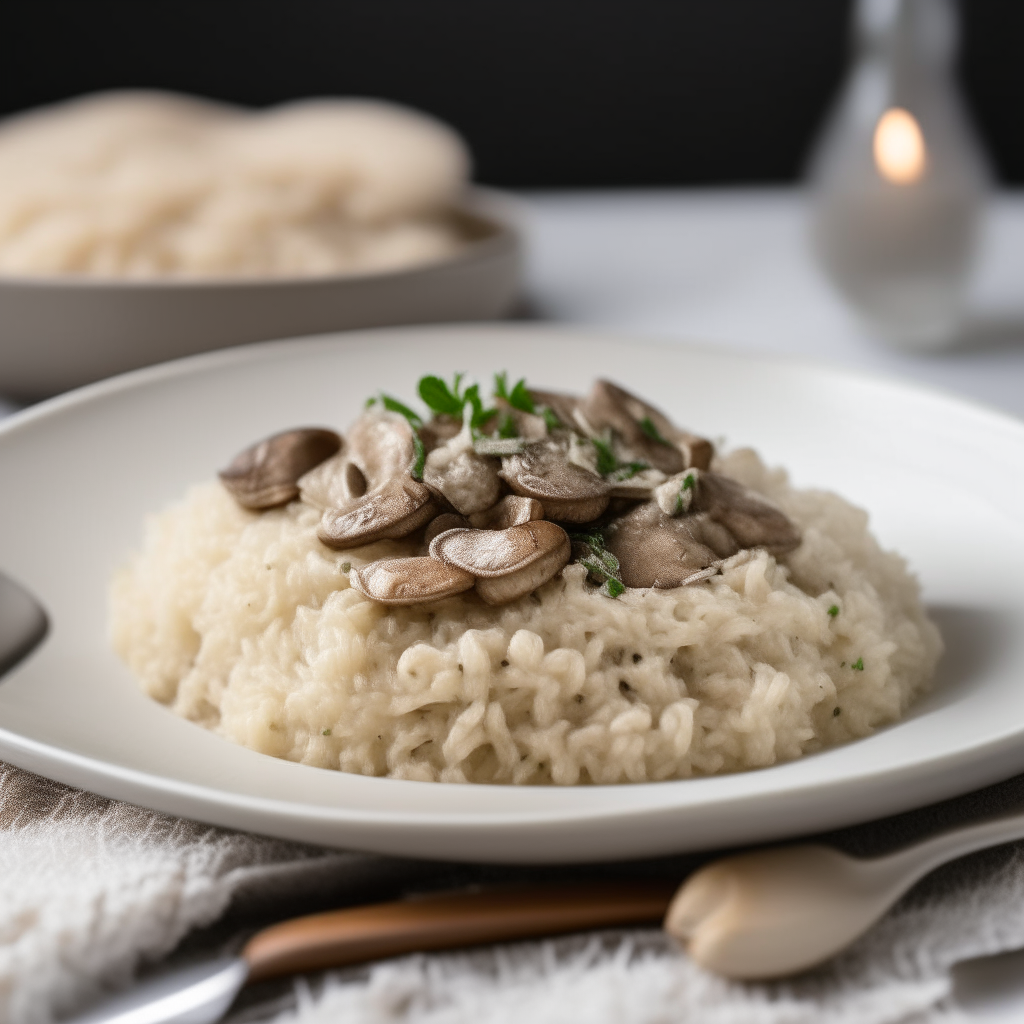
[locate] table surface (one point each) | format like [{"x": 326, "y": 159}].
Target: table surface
[{"x": 733, "y": 267}]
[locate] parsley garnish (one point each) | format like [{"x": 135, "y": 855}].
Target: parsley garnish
[
  {"x": 834, "y": 611},
  {"x": 600, "y": 563},
  {"x": 648, "y": 427},
  {"x": 552, "y": 421},
  {"x": 606, "y": 461},
  {"x": 346, "y": 566},
  {"x": 326, "y": 732},
  {"x": 858, "y": 665},
  {"x": 439, "y": 397}
]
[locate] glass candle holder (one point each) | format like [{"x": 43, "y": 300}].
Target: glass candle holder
[{"x": 898, "y": 178}]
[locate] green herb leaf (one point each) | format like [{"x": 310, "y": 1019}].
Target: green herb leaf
[
  {"x": 419, "y": 457},
  {"x": 648, "y": 427},
  {"x": 370, "y": 402},
  {"x": 501, "y": 385},
  {"x": 613, "y": 588},
  {"x": 606, "y": 461},
  {"x": 629, "y": 470},
  {"x": 438, "y": 397},
  {"x": 326, "y": 732},
  {"x": 834, "y": 611},
  {"x": 508, "y": 427},
  {"x": 858, "y": 665},
  {"x": 520, "y": 398},
  {"x": 688, "y": 482},
  {"x": 394, "y": 405},
  {"x": 552, "y": 421},
  {"x": 346, "y": 566}
]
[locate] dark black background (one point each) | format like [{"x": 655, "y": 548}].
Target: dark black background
[{"x": 548, "y": 92}]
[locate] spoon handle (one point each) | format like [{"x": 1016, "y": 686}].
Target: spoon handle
[
  {"x": 916, "y": 861},
  {"x": 448, "y": 920}
]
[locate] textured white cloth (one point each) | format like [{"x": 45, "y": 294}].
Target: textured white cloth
[
  {"x": 90, "y": 889},
  {"x": 897, "y": 974}
]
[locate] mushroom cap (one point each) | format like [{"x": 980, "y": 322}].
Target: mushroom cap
[
  {"x": 487, "y": 553},
  {"x": 609, "y": 406},
  {"x": 656, "y": 550},
  {"x": 512, "y": 510},
  {"x": 750, "y": 517},
  {"x": 395, "y": 510},
  {"x": 379, "y": 448},
  {"x": 267, "y": 473},
  {"x": 568, "y": 492},
  {"x": 398, "y": 581},
  {"x": 564, "y": 406},
  {"x": 465, "y": 480},
  {"x": 442, "y": 523}
]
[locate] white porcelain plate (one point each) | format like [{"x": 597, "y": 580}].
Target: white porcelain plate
[{"x": 942, "y": 479}]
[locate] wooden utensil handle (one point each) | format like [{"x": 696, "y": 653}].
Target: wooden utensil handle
[{"x": 447, "y": 920}]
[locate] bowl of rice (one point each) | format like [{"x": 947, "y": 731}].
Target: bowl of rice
[{"x": 138, "y": 227}]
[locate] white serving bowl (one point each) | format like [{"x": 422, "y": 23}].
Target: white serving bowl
[{"x": 57, "y": 333}]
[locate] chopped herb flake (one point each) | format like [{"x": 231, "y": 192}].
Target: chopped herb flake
[
  {"x": 419, "y": 457},
  {"x": 508, "y": 427},
  {"x": 326, "y": 732},
  {"x": 346, "y": 566},
  {"x": 629, "y": 470},
  {"x": 501, "y": 385},
  {"x": 858, "y": 665},
  {"x": 648, "y": 427},
  {"x": 834, "y": 610},
  {"x": 606, "y": 461},
  {"x": 552, "y": 421},
  {"x": 613, "y": 588}
]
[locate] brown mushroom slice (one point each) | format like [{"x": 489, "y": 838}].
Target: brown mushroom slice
[
  {"x": 568, "y": 492},
  {"x": 267, "y": 474},
  {"x": 442, "y": 523},
  {"x": 512, "y": 510},
  {"x": 699, "y": 451},
  {"x": 562, "y": 405},
  {"x": 398, "y": 581},
  {"x": 392, "y": 511},
  {"x": 465, "y": 480},
  {"x": 378, "y": 449},
  {"x": 638, "y": 424},
  {"x": 656, "y": 550},
  {"x": 750, "y": 517},
  {"x": 506, "y": 563}
]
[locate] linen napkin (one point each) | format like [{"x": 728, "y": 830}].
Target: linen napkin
[{"x": 92, "y": 890}]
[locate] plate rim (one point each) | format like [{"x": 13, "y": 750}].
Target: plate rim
[{"x": 976, "y": 766}]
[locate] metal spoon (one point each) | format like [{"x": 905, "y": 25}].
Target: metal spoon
[
  {"x": 776, "y": 912},
  {"x": 23, "y": 623}
]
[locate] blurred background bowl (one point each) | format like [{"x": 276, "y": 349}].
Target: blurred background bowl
[{"x": 57, "y": 333}]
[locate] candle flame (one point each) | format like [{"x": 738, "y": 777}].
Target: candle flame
[{"x": 899, "y": 147}]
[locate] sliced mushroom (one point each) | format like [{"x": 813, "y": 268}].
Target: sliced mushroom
[
  {"x": 442, "y": 523},
  {"x": 506, "y": 563},
  {"x": 395, "y": 510},
  {"x": 399, "y": 581},
  {"x": 750, "y": 517},
  {"x": 699, "y": 451},
  {"x": 656, "y": 550},
  {"x": 562, "y": 405},
  {"x": 379, "y": 448},
  {"x": 567, "y": 491},
  {"x": 465, "y": 479},
  {"x": 267, "y": 474},
  {"x": 512, "y": 510},
  {"x": 642, "y": 428}
]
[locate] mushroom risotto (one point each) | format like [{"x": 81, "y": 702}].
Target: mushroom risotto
[{"x": 537, "y": 588}]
